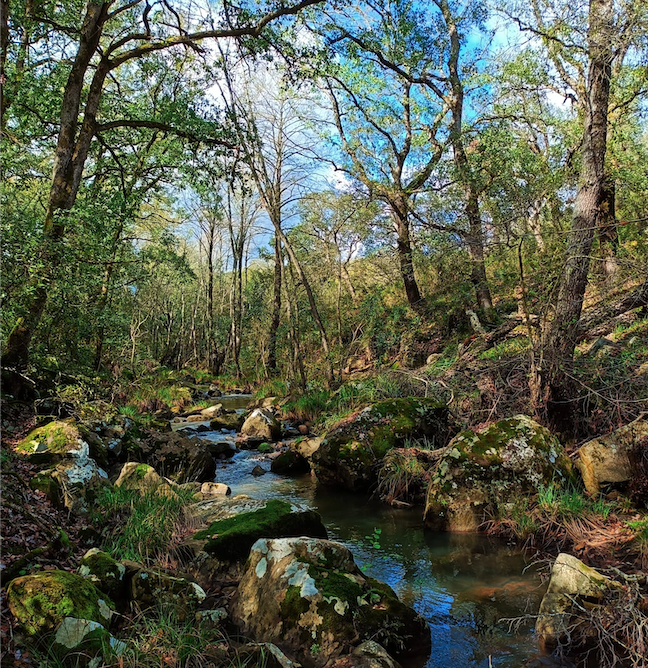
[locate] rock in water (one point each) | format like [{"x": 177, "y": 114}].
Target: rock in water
[
  {"x": 488, "y": 472},
  {"x": 261, "y": 423},
  {"x": 289, "y": 463},
  {"x": 349, "y": 453},
  {"x": 231, "y": 538},
  {"x": 309, "y": 598}
]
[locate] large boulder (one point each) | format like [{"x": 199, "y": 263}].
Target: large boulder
[
  {"x": 573, "y": 587},
  {"x": 308, "y": 597},
  {"x": 41, "y": 602},
  {"x": 607, "y": 459},
  {"x": 231, "y": 538},
  {"x": 350, "y": 453},
  {"x": 74, "y": 482},
  {"x": 180, "y": 458},
  {"x": 261, "y": 423},
  {"x": 482, "y": 472},
  {"x": 52, "y": 443}
]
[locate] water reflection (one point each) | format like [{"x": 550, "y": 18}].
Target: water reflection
[{"x": 462, "y": 584}]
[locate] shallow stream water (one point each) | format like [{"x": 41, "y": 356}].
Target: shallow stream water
[{"x": 462, "y": 584}]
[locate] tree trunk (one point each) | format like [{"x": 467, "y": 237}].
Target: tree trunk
[
  {"x": 475, "y": 236},
  {"x": 607, "y": 231},
  {"x": 404, "y": 249},
  {"x": 276, "y": 309},
  {"x": 68, "y": 166},
  {"x": 475, "y": 240},
  {"x": 294, "y": 261},
  {"x": 553, "y": 391}
]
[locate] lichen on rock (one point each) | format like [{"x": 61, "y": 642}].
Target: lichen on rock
[
  {"x": 309, "y": 597},
  {"x": 482, "y": 472},
  {"x": 350, "y": 452}
]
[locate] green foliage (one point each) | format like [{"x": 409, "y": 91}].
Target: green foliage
[
  {"x": 374, "y": 538},
  {"x": 402, "y": 477},
  {"x": 139, "y": 527},
  {"x": 509, "y": 348},
  {"x": 272, "y": 388}
]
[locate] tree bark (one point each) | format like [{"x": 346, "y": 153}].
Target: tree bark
[
  {"x": 553, "y": 391},
  {"x": 276, "y": 309},
  {"x": 608, "y": 233},
  {"x": 404, "y": 247}
]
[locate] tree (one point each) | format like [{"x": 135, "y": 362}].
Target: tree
[
  {"x": 111, "y": 36},
  {"x": 398, "y": 100},
  {"x": 552, "y": 384},
  {"x": 271, "y": 139}
]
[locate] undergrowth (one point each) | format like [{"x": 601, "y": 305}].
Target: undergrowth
[
  {"x": 325, "y": 407},
  {"x": 159, "y": 637},
  {"x": 143, "y": 528}
]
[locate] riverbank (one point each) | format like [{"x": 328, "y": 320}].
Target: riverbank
[{"x": 388, "y": 543}]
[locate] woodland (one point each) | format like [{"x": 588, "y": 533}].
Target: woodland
[{"x": 327, "y": 205}]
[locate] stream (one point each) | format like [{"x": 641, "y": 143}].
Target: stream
[{"x": 462, "y": 584}]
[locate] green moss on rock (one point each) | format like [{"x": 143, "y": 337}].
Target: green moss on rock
[
  {"x": 483, "y": 471},
  {"x": 310, "y": 597},
  {"x": 350, "y": 452},
  {"x": 41, "y": 602},
  {"x": 231, "y": 539},
  {"x": 50, "y": 443},
  {"x": 104, "y": 572}
]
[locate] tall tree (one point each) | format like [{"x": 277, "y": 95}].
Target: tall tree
[
  {"x": 108, "y": 36},
  {"x": 552, "y": 386},
  {"x": 401, "y": 75}
]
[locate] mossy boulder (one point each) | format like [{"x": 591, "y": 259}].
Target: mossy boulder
[
  {"x": 152, "y": 587},
  {"x": 74, "y": 482},
  {"x": 308, "y": 597},
  {"x": 139, "y": 477},
  {"x": 51, "y": 443},
  {"x": 105, "y": 573},
  {"x": 289, "y": 463},
  {"x": 41, "y": 602},
  {"x": 265, "y": 448},
  {"x": 351, "y": 452},
  {"x": 483, "y": 472},
  {"x": 230, "y": 539}
]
